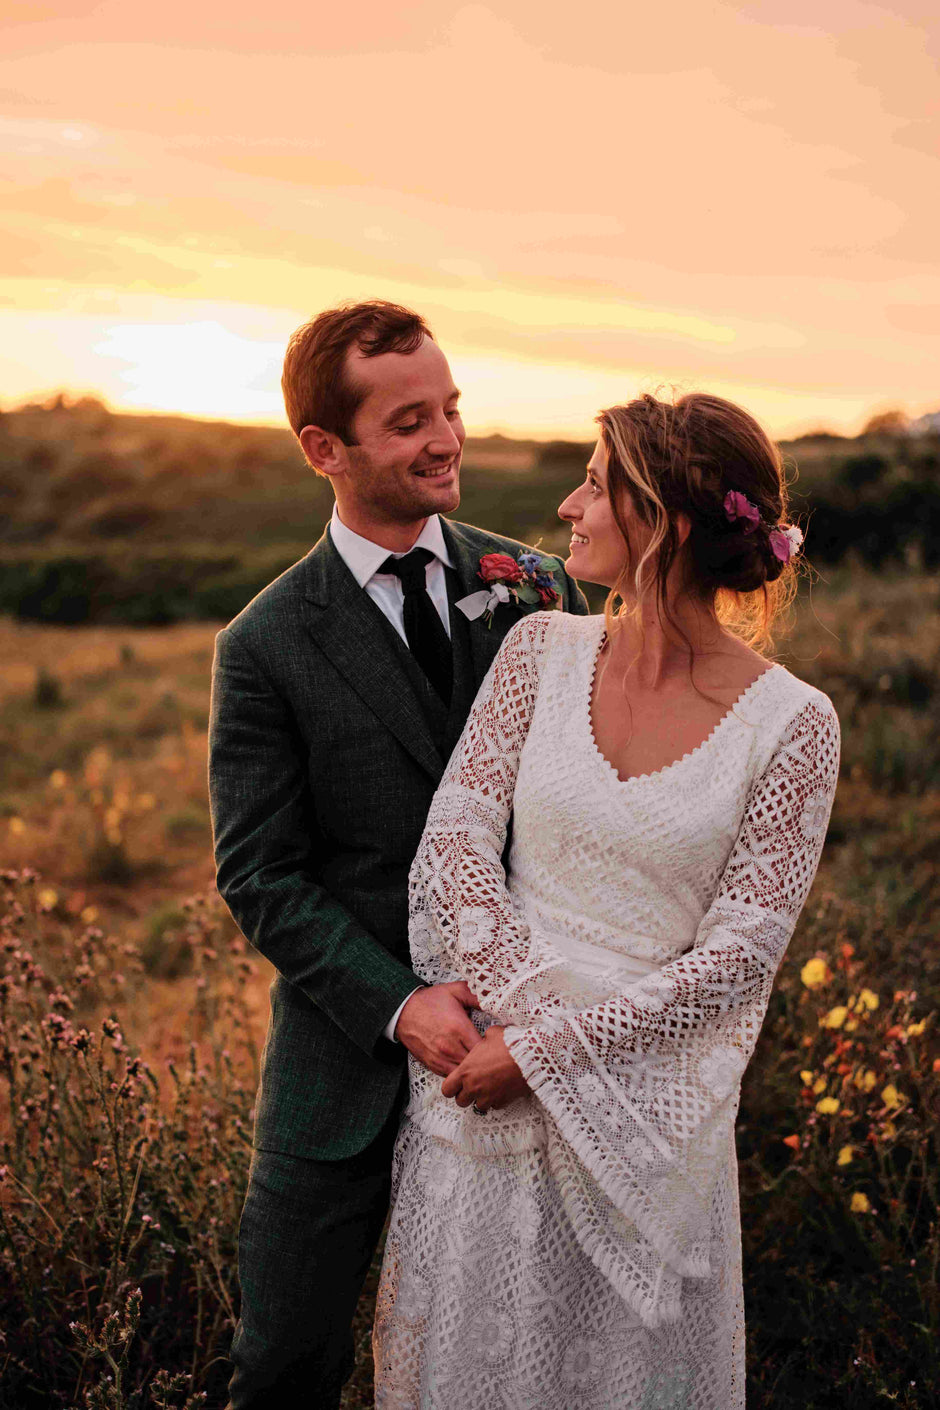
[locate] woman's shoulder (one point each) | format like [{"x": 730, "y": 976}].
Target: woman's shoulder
[{"x": 796, "y": 694}]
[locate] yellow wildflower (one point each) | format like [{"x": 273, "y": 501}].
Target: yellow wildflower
[
  {"x": 90, "y": 914},
  {"x": 851, "y": 1024},
  {"x": 864, "y": 1081},
  {"x": 869, "y": 1000},
  {"x": 859, "y": 1203},
  {"x": 806, "y": 1078},
  {"x": 827, "y": 1106},
  {"x": 845, "y": 1155},
  {"x": 17, "y": 826},
  {"x": 891, "y": 1096},
  {"x": 815, "y": 973},
  {"x": 889, "y": 1131},
  {"x": 48, "y": 899},
  {"x": 819, "y": 1085},
  {"x": 835, "y": 1017},
  {"x": 58, "y": 778},
  {"x": 914, "y": 1030}
]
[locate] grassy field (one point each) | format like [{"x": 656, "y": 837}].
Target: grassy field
[{"x": 121, "y": 1173}]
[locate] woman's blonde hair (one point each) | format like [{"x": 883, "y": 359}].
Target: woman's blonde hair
[{"x": 665, "y": 459}]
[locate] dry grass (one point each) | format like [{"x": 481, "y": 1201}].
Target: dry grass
[{"x": 102, "y": 788}]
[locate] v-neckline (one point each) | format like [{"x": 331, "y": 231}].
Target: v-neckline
[{"x": 655, "y": 774}]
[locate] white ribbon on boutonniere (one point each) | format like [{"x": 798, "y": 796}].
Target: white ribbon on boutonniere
[{"x": 486, "y": 600}]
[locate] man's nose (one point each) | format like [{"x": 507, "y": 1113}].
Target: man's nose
[{"x": 444, "y": 438}]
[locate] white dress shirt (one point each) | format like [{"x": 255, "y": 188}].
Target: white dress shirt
[{"x": 363, "y": 558}]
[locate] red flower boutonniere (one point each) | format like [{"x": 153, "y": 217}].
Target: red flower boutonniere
[{"x": 527, "y": 579}]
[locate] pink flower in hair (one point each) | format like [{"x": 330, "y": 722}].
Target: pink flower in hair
[
  {"x": 784, "y": 543},
  {"x": 739, "y": 507}
]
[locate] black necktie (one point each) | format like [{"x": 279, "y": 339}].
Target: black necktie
[{"x": 425, "y": 632}]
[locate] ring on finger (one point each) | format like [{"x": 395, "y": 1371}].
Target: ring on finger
[{"x": 479, "y": 1110}]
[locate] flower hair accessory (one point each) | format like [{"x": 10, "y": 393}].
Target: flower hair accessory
[
  {"x": 784, "y": 539},
  {"x": 527, "y": 579}
]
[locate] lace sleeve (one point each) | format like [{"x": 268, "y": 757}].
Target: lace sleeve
[
  {"x": 457, "y": 892},
  {"x": 644, "y": 1086}
]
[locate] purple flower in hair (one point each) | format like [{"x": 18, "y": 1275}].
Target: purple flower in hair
[{"x": 739, "y": 507}]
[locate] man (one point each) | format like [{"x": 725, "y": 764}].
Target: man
[{"x": 338, "y": 695}]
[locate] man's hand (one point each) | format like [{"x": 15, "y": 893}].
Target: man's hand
[
  {"x": 488, "y": 1077},
  {"x": 434, "y": 1026}
]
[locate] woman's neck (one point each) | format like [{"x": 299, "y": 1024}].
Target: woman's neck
[{"x": 653, "y": 651}]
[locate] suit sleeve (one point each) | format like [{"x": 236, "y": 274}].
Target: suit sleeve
[{"x": 259, "y": 793}]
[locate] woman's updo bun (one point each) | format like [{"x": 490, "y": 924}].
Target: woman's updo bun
[{"x": 669, "y": 459}]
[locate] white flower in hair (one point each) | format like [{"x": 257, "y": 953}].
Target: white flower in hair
[{"x": 795, "y": 537}]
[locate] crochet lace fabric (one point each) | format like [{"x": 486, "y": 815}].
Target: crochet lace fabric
[{"x": 581, "y": 1247}]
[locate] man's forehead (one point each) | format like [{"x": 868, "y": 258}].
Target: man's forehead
[{"x": 392, "y": 377}]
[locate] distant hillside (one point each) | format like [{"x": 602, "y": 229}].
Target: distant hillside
[{"x": 111, "y": 516}]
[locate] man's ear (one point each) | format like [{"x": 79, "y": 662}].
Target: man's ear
[
  {"x": 683, "y": 527},
  {"x": 324, "y": 452}
]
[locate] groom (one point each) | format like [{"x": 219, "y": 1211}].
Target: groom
[{"x": 338, "y": 694}]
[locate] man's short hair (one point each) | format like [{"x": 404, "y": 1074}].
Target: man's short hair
[{"x": 317, "y": 390}]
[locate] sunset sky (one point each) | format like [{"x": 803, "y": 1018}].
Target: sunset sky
[{"x": 583, "y": 200}]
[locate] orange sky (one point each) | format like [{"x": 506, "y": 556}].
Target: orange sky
[{"x": 583, "y": 200}]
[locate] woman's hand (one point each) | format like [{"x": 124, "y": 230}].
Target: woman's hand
[{"x": 488, "y": 1077}]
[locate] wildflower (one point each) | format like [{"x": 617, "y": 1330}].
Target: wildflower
[
  {"x": 851, "y": 1024},
  {"x": 17, "y": 826},
  {"x": 827, "y": 1106},
  {"x": 806, "y": 1078},
  {"x": 914, "y": 1030},
  {"x": 835, "y": 1017},
  {"x": 846, "y": 950},
  {"x": 792, "y": 1141},
  {"x": 864, "y": 1081},
  {"x": 58, "y": 778},
  {"x": 936, "y": 1064},
  {"x": 815, "y": 973},
  {"x": 89, "y": 914},
  {"x": 891, "y": 1096},
  {"x": 845, "y": 1155},
  {"x": 889, "y": 1131},
  {"x": 48, "y": 899},
  {"x": 819, "y": 1085},
  {"x": 868, "y": 1000},
  {"x": 859, "y": 1203}
]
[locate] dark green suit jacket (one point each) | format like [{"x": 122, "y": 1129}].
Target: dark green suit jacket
[{"x": 326, "y": 744}]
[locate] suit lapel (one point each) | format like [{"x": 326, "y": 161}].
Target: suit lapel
[
  {"x": 350, "y": 630},
  {"x": 484, "y": 640}
]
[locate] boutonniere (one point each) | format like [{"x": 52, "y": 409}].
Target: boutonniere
[{"x": 527, "y": 579}]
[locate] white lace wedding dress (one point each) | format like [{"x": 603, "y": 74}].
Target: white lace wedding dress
[{"x": 580, "y": 1249}]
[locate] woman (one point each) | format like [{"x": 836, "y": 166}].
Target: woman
[{"x": 566, "y": 1234}]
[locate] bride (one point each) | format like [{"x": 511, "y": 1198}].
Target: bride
[{"x": 565, "y": 1232}]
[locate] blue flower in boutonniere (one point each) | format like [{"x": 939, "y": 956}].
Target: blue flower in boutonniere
[{"x": 526, "y": 580}]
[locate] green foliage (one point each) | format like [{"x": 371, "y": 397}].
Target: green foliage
[{"x": 159, "y": 519}]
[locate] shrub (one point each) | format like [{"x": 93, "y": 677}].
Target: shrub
[{"x": 119, "y": 1191}]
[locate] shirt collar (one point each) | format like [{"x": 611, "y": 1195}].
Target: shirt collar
[{"x": 363, "y": 558}]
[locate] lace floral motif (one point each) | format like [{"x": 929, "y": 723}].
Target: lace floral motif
[{"x": 684, "y": 887}]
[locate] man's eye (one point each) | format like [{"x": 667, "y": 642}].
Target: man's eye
[{"x": 408, "y": 430}]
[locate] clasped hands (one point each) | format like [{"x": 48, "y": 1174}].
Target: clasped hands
[{"x": 478, "y": 1070}]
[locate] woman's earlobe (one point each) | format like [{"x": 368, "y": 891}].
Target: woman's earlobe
[{"x": 683, "y": 527}]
